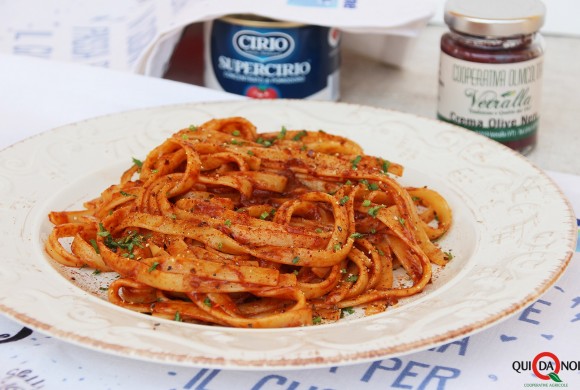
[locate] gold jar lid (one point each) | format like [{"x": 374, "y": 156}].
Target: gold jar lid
[{"x": 495, "y": 18}]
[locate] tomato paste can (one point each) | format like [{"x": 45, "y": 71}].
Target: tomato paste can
[{"x": 264, "y": 58}]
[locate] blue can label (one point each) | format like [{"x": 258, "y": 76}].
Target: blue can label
[{"x": 296, "y": 62}]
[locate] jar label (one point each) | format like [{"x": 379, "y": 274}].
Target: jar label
[{"x": 500, "y": 101}]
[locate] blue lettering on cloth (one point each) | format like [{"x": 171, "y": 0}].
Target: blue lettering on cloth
[
  {"x": 204, "y": 377},
  {"x": 314, "y": 3},
  {"x": 407, "y": 372},
  {"x": 280, "y": 381},
  {"x": 439, "y": 375},
  {"x": 525, "y": 316},
  {"x": 24, "y": 47},
  {"x": 90, "y": 42},
  {"x": 505, "y": 338},
  {"x": 575, "y": 302},
  {"x": 423, "y": 375},
  {"x": 378, "y": 365},
  {"x": 141, "y": 32},
  {"x": 350, "y": 4},
  {"x": 462, "y": 344}
]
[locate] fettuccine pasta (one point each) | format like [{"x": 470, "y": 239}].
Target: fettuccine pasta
[{"x": 223, "y": 225}]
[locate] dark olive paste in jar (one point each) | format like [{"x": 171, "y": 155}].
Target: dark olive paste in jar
[{"x": 491, "y": 69}]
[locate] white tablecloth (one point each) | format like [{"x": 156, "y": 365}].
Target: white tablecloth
[{"x": 37, "y": 95}]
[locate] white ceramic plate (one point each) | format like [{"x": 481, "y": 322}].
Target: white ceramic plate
[{"x": 512, "y": 237}]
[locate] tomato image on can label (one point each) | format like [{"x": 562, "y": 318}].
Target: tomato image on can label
[{"x": 261, "y": 92}]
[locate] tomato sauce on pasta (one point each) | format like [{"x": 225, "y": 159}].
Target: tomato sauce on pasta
[{"x": 223, "y": 225}]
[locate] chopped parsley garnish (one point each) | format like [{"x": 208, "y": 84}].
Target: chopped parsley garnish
[
  {"x": 386, "y": 164},
  {"x": 282, "y": 133},
  {"x": 318, "y": 230},
  {"x": 356, "y": 235},
  {"x": 337, "y": 247},
  {"x": 346, "y": 311},
  {"x": 351, "y": 278},
  {"x": 95, "y": 246},
  {"x": 127, "y": 243},
  {"x": 127, "y": 194},
  {"x": 265, "y": 215},
  {"x": 192, "y": 127},
  {"x": 177, "y": 317},
  {"x": 153, "y": 266},
  {"x": 102, "y": 231},
  {"x": 356, "y": 161},
  {"x": 343, "y": 200},
  {"x": 264, "y": 142},
  {"x": 228, "y": 223},
  {"x": 96, "y": 272},
  {"x": 366, "y": 203},
  {"x": 207, "y": 302},
  {"x": 138, "y": 163},
  {"x": 401, "y": 221},
  {"x": 250, "y": 153},
  {"x": 299, "y": 135},
  {"x": 316, "y": 320},
  {"x": 370, "y": 186},
  {"x": 448, "y": 255},
  {"x": 295, "y": 260},
  {"x": 374, "y": 210},
  {"x": 184, "y": 136},
  {"x": 236, "y": 133}
]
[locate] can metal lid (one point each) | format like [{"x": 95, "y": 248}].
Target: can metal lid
[{"x": 495, "y": 18}]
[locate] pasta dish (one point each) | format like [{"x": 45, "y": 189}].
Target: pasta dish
[{"x": 223, "y": 225}]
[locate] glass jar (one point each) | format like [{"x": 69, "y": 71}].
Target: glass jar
[{"x": 490, "y": 74}]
